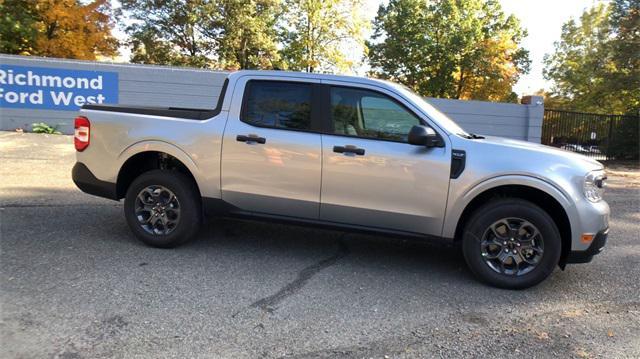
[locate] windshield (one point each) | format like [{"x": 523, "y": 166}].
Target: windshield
[{"x": 439, "y": 117}]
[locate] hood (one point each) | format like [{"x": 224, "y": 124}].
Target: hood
[
  {"x": 493, "y": 156},
  {"x": 544, "y": 150}
]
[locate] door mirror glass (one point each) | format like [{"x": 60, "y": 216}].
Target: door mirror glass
[{"x": 424, "y": 136}]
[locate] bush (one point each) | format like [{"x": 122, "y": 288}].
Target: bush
[
  {"x": 625, "y": 139},
  {"x": 42, "y": 127}
]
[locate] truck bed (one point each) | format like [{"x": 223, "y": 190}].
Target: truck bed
[
  {"x": 195, "y": 114},
  {"x": 185, "y": 113}
]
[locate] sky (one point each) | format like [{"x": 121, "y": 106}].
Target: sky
[{"x": 543, "y": 20}]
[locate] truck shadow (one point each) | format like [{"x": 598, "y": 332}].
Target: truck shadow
[
  {"x": 368, "y": 251},
  {"x": 284, "y": 255},
  {"x": 235, "y": 236}
]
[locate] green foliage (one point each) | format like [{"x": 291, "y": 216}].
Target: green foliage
[
  {"x": 17, "y": 26},
  {"x": 169, "y": 32},
  {"x": 148, "y": 48},
  {"x": 247, "y": 33},
  {"x": 57, "y": 28},
  {"x": 204, "y": 33},
  {"x": 41, "y": 127},
  {"x": 625, "y": 78},
  {"x": 625, "y": 144},
  {"x": 307, "y": 35},
  {"x": 596, "y": 63},
  {"x": 318, "y": 35},
  {"x": 449, "y": 48}
]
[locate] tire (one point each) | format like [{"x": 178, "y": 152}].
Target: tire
[
  {"x": 173, "y": 198},
  {"x": 490, "y": 238}
]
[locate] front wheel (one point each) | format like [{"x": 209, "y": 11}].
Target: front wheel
[
  {"x": 511, "y": 243},
  {"x": 163, "y": 208}
]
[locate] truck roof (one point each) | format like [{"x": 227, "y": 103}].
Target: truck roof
[
  {"x": 443, "y": 121},
  {"x": 315, "y": 76}
]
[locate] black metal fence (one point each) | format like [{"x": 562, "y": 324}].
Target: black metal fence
[{"x": 603, "y": 137}]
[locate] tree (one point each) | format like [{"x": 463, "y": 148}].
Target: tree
[
  {"x": 68, "y": 29},
  {"x": 62, "y": 28},
  {"x": 625, "y": 78},
  {"x": 204, "y": 33},
  {"x": 169, "y": 32},
  {"x": 596, "y": 64},
  {"x": 17, "y": 26},
  {"x": 247, "y": 34},
  {"x": 148, "y": 48},
  {"x": 552, "y": 101},
  {"x": 318, "y": 34},
  {"x": 449, "y": 48},
  {"x": 580, "y": 59}
]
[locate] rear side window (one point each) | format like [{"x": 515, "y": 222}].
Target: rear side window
[{"x": 278, "y": 104}]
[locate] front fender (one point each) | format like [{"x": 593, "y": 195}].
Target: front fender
[{"x": 460, "y": 198}]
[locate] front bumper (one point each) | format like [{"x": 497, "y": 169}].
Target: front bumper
[{"x": 597, "y": 245}]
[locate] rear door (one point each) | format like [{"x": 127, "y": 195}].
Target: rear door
[
  {"x": 271, "y": 152},
  {"x": 371, "y": 176}
]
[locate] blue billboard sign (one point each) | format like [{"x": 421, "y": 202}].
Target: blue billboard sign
[{"x": 55, "y": 89}]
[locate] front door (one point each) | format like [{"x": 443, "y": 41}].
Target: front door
[
  {"x": 371, "y": 176},
  {"x": 271, "y": 161}
]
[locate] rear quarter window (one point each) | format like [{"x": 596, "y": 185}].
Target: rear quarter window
[{"x": 277, "y": 104}]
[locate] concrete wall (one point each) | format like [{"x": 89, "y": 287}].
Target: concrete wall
[
  {"x": 138, "y": 85},
  {"x": 184, "y": 87},
  {"x": 517, "y": 121}
]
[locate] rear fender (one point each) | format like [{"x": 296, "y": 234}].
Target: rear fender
[{"x": 170, "y": 149}]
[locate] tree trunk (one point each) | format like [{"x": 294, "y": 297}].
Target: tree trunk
[
  {"x": 308, "y": 46},
  {"x": 51, "y": 29},
  {"x": 460, "y": 84},
  {"x": 244, "y": 61}
]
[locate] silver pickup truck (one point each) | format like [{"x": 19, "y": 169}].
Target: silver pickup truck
[{"x": 345, "y": 152}]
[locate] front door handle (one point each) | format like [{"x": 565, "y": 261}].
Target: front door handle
[
  {"x": 251, "y": 139},
  {"x": 349, "y": 149}
]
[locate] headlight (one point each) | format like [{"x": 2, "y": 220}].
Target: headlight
[{"x": 594, "y": 185}]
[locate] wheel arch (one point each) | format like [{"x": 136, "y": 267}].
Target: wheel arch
[
  {"x": 541, "y": 193},
  {"x": 145, "y": 156}
]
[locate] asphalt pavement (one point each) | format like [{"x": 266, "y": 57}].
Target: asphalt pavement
[{"x": 75, "y": 283}]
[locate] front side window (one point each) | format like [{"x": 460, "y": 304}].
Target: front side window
[
  {"x": 370, "y": 114},
  {"x": 278, "y": 104}
]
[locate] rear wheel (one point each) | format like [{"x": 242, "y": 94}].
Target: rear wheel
[
  {"x": 511, "y": 243},
  {"x": 163, "y": 208}
]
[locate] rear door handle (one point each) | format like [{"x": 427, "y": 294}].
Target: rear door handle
[
  {"x": 349, "y": 149},
  {"x": 251, "y": 139}
]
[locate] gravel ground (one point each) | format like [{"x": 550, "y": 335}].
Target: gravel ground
[{"x": 76, "y": 284}]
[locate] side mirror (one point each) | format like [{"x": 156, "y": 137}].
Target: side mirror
[{"x": 424, "y": 136}]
